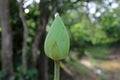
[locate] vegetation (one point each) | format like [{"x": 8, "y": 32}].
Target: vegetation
[{"x": 93, "y": 26}]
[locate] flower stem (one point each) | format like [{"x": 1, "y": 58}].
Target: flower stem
[{"x": 56, "y": 70}]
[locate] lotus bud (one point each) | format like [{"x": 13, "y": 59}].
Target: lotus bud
[{"x": 57, "y": 41}]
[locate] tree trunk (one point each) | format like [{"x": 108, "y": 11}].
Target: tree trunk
[
  {"x": 43, "y": 61},
  {"x": 39, "y": 40},
  {"x": 7, "y": 65},
  {"x": 43, "y": 20},
  {"x": 25, "y": 37}
]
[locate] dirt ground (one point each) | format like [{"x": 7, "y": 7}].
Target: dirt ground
[
  {"x": 110, "y": 69},
  {"x": 100, "y": 69}
]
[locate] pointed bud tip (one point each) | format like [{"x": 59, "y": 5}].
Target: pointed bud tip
[{"x": 56, "y": 14}]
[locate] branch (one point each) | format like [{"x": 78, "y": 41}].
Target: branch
[{"x": 25, "y": 37}]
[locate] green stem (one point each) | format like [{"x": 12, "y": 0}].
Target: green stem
[{"x": 56, "y": 70}]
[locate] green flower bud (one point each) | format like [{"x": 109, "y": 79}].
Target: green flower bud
[{"x": 57, "y": 41}]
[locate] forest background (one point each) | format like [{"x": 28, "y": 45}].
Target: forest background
[{"x": 93, "y": 26}]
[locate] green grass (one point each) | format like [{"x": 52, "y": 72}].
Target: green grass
[{"x": 98, "y": 51}]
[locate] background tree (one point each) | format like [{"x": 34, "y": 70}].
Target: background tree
[
  {"x": 7, "y": 64},
  {"x": 25, "y": 37}
]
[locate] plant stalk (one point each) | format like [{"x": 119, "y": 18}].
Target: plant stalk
[{"x": 56, "y": 70}]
